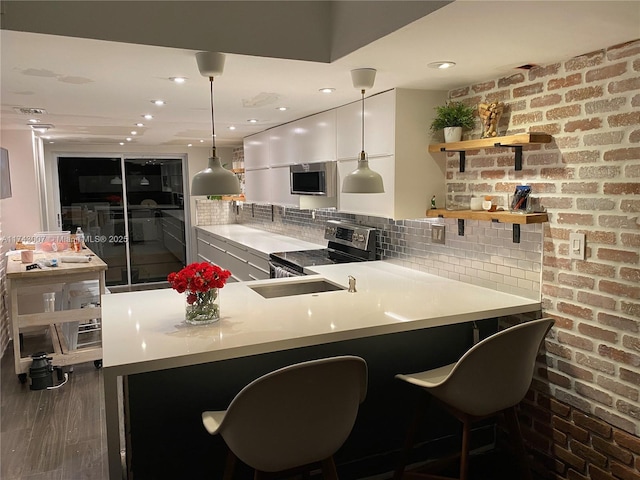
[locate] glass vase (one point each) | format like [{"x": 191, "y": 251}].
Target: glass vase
[{"x": 202, "y": 308}]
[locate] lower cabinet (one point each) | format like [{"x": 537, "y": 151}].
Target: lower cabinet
[{"x": 243, "y": 264}]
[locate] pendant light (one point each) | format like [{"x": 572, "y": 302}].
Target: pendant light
[
  {"x": 144, "y": 182},
  {"x": 363, "y": 179},
  {"x": 215, "y": 179},
  {"x": 116, "y": 180}
]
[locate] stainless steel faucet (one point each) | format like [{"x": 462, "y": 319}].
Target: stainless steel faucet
[{"x": 352, "y": 284}]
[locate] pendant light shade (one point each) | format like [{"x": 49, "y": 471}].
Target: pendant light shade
[
  {"x": 215, "y": 179},
  {"x": 116, "y": 180},
  {"x": 363, "y": 179}
]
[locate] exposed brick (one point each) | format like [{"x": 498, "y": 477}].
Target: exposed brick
[
  {"x": 632, "y": 171},
  {"x": 617, "y": 221},
  {"x": 593, "y": 268},
  {"x": 619, "y": 289},
  {"x": 599, "y": 204},
  {"x": 563, "y": 203},
  {"x": 557, "y": 292},
  {"x": 559, "y": 408},
  {"x": 569, "y": 428},
  {"x": 629, "y": 376},
  {"x": 579, "y": 187},
  {"x": 545, "y": 100},
  {"x": 511, "y": 80},
  {"x": 635, "y": 101},
  {"x": 575, "y": 219},
  {"x": 563, "y": 112},
  {"x": 596, "y": 300},
  {"x": 583, "y": 125},
  {"x": 617, "y": 387},
  {"x": 543, "y": 71},
  {"x": 573, "y": 400},
  {"x": 498, "y": 96},
  {"x": 569, "y": 458},
  {"x": 624, "y": 119},
  {"x": 595, "y": 363},
  {"x": 483, "y": 87},
  {"x": 636, "y": 67},
  {"x": 619, "y": 154},
  {"x": 618, "y": 322},
  {"x": 574, "y": 340},
  {"x": 492, "y": 174},
  {"x": 634, "y": 137},
  {"x": 596, "y": 473},
  {"x": 584, "y": 61},
  {"x": 543, "y": 158},
  {"x": 630, "y": 239},
  {"x": 581, "y": 94},
  {"x": 627, "y": 85},
  {"x": 573, "y": 475},
  {"x": 598, "y": 333},
  {"x": 592, "y": 424},
  {"x": 630, "y": 274},
  {"x": 623, "y": 50},
  {"x": 604, "y": 171},
  {"x": 629, "y": 308},
  {"x": 614, "y": 255},
  {"x": 539, "y": 187},
  {"x": 565, "y": 142},
  {"x": 605, "y": 105},
  {"x": 568, "y": 81},
  {"x": 578, "y": 281},
  {"x": 527, "y": 90},
  {"x": 575, "y": 371},
  {"x": 627, "y": 205},
  {"x": 619, "y": 355},
  {"x": 627, "y": 441},
  {"x": 593, "y": 393},
  {"x": 459, "y": 92},
  {"x": 560, "y": 438},
  {"x": 603, "y": 73},
  {"x": 556, "y": 379},
  {"x": 612, "y": 450},
  {"x": 562, "y": 173},
  {"x": 632, "y": 343},
  {"x": 624, "y": 473},
  {"x": 558, "y": 350},
  {"x": 588, "y": 453},
  {"x": 630, "y": 409},
  {"x": 622, "y": 188},
  {"x": 583, "y": 156},
  {"x": 526, "y": 118},
  {"x": 606, "y": 138}
]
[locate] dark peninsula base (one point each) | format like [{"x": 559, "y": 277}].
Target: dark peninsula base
[{"x": 168, "y": 441}]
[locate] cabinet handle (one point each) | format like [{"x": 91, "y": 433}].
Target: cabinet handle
[
  {"x": 217, "y": 247},
  {"x": 253, "y": 278},
  {"x": 257, "y": 268},
  {"x": 236, "y": 257}
]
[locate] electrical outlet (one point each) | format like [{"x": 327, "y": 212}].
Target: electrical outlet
[
  {"x": 577, "y": 246},
  {"x": 437, "y": 234}
]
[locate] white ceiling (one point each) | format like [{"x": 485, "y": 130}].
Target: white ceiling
[{"x": 94, "y": 91}]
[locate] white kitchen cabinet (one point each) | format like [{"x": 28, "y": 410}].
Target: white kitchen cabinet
[
  {"x": 379, "y": 115},
  {"x": 280, "y": 189},
  {"x": 257, "y": 185},
  {"x": 256, "y": 151},
  {"x": 411, "y": 175}
]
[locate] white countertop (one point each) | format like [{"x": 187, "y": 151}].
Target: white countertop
[
  {"x": 260, "y": 241},
  {"x": 145, "y": 331}
]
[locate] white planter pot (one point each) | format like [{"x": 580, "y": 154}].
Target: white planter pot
[{"x": 452, "y": 134}]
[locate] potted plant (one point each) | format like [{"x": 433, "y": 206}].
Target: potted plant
[{"x": 453, "y": 118}]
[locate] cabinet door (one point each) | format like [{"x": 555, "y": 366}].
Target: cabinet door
[
  {"x": 280, "y": 188},
  {"x": 315, "y": 138},
  {"x": 281, "y": 148},
  {"x": 256, "y": 151},
  {"x": 256, "y": 186},
  {"x": 379, "y": 128},
  {"x": 376, "y": 204}
]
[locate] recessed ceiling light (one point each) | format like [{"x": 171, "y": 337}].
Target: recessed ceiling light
[
  {"x": 128, "y": 139},
  {"x": 139, "y": 124},
  {"x": 252, "y": 120},
  {"x": 52, "y": 142},
  {"x": 148, "y": 116},
  {"x": 189, "y": 145},
  {"x": 178, "y": 79},
  {"x": 34, "y": 120},
  {"x": 201, "y": 141},
  {"x": 283, "y": 109},
  {"x": 327, "y": 90},
  {"x": 133, "y": 132},
  {"x": 441, "y": 65},
  {"x": 232, "y": 127},
  {"x": 121, "y": 143},
  {"x": 159, "y": 102}
]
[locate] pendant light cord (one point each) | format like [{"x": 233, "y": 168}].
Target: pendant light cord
[
  {"x": 213, "y": 125},
  {"x": 362, "y": 122}
]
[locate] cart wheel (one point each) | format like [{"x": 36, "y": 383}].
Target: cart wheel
[
  {"x": 97, "y": 363},
  {"x": 22, "y": 377}
]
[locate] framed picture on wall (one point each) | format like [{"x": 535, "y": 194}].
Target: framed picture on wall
[{"x": 5, "y": 177}]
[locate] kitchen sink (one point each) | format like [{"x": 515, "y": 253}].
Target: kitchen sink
[{"x": 296, "y": 288}]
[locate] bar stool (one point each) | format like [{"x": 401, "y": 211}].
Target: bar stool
[
  {"x": 490, "y": 378},
  {"x": 293, "y": 418}
]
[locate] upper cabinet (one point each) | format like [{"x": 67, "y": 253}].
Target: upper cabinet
[
  {"x": 256, "y": 151},
  {"x": 308, "y": 140}
]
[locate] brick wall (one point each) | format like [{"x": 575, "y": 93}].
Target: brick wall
[{"x": 584, "y": 411}]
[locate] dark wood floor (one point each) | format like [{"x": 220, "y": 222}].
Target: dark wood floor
[{"x": 52, "y": 434}]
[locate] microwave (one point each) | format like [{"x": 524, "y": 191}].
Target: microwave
[{"x": 313, "y": 179}]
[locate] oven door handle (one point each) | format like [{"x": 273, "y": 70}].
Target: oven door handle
[{"x": 281, "y": 271}]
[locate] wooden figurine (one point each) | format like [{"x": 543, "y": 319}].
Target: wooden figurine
[{"x": 490, "y": 115}]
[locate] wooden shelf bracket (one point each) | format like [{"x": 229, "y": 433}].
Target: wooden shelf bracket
[
  {"x": 463, "y": 156},
  {"x": 517, "y": 149}
]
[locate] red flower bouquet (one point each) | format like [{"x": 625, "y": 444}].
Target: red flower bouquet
[{"x": 201, "y": 282}]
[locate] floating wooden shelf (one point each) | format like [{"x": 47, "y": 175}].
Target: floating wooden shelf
[
  {"x": 237, "y": 170},
  {"x": 512, "y": 141},
  {"x": 516, "y": 219},
  {"x": 238, "y": 198}
]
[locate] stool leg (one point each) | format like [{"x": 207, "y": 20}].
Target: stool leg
[
  {"x": 329, "y": 469},
  {"x": 464, "y": 453},
  {"x": 418, "y": 414},
  {"x": 229, "y": 465},
  {"x": 516, "y": 436}
]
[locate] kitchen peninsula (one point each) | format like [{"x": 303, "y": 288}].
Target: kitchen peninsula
[{"x": 398, "y": 320}]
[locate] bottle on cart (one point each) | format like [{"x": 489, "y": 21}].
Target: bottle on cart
[{"x": 79, "y": 241}]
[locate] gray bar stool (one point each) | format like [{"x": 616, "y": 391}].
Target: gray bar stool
[
  {"x": 490, "y": 378},
  {"x": 293, "y": 418}
]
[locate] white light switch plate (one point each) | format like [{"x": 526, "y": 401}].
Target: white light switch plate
[
  {"x": 437, "y": 234},
  {"x": 577, "y": 246}
]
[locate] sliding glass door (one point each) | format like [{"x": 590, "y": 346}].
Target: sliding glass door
[{"x": 131, "y": 211}]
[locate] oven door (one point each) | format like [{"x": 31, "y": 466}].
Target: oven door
[{"x": 282, "y": 271}]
